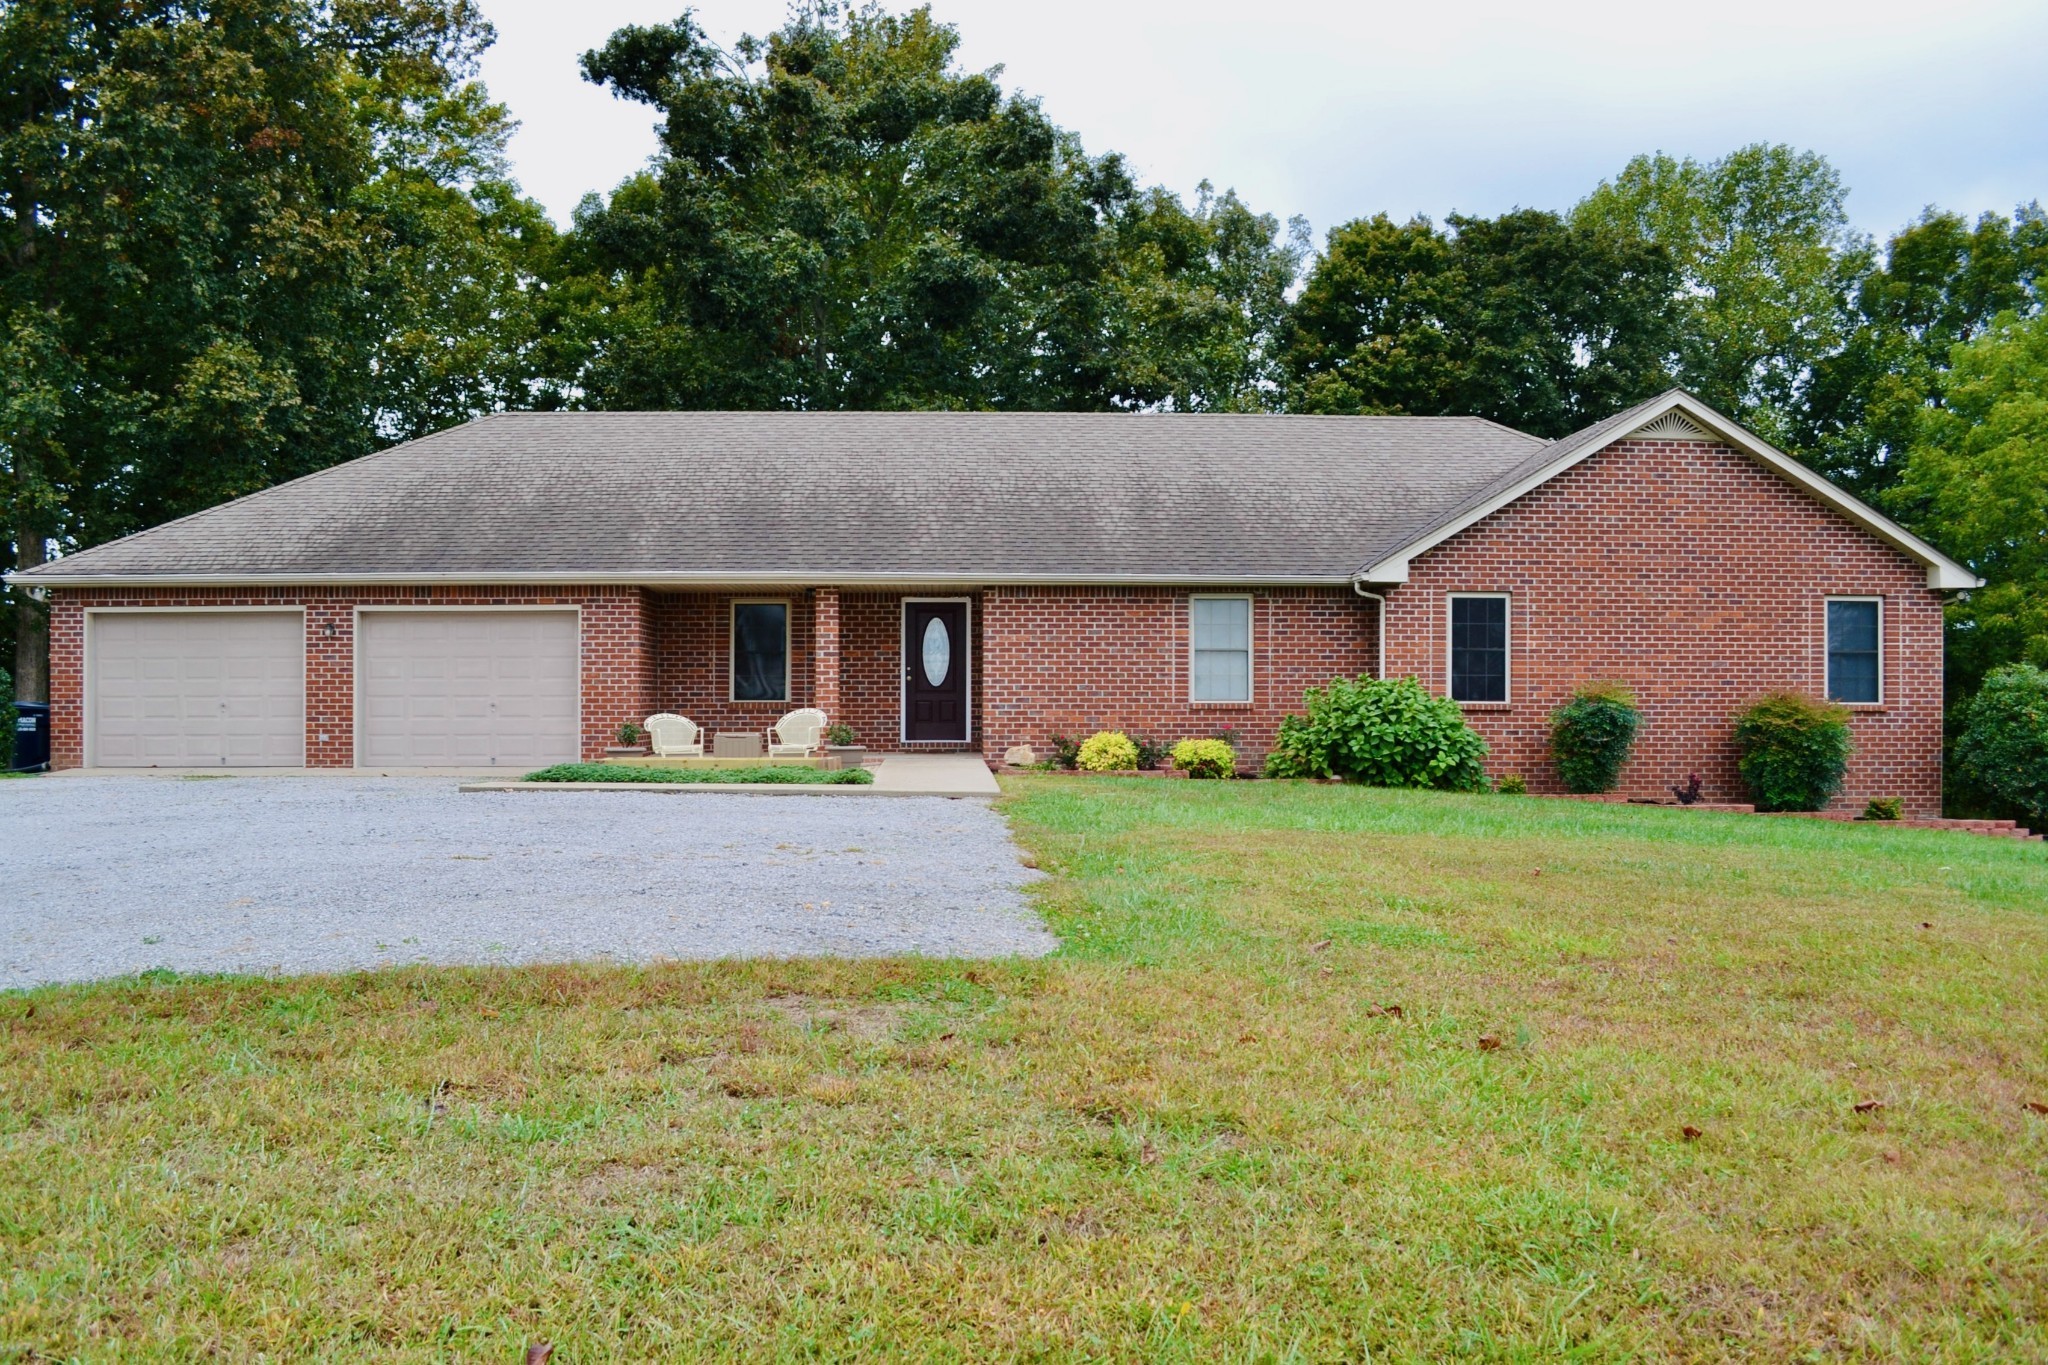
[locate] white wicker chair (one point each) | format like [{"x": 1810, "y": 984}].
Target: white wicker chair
[
  {"x": 796, "y": 734},
  {"x": 673, "y": 736}
]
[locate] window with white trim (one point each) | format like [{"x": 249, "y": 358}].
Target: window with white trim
[
  {"x": 1479, "y": 646},
  {"x": 760, "y": 651},
  {"x": 1221, "y": 632},
  {"x": 1856, "y": 650}
]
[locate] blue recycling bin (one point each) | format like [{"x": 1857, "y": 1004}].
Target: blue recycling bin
[{"x": 31, "y": 735}]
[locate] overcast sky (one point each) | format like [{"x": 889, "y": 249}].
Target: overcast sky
[{"x": 1338, "y": 110}]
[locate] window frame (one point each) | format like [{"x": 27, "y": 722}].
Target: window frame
[
  {"x": 732, "y": 653},
  {"x": 1827, "y": 648},
  {"x": 1507, "y": 687},
  {"x": 1251, "y": 684}
]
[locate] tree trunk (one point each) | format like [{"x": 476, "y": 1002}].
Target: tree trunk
[{"x": 31, "y": 624}]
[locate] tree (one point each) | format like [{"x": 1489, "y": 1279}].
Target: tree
[
  {"x": 239, "y": 234},
  {"x": 1976, "y": 483},
  {"x": 1764, "y": 255},
  {"x": 841, "y": 218},
  {"x": 1941, "y": 283},
  {"x": 1526, "y": 319}
]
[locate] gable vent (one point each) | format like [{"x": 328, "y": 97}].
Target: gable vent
[{"x": 1672, "y": 426}]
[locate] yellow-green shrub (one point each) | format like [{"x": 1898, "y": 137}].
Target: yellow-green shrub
[
  {"x": 1205, "y": 758},
  {"x": 1109, "y": 751}
]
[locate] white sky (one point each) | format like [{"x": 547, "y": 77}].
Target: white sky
[{"x": 1341, "y": 110}]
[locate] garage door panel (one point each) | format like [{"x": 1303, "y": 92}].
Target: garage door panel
[
  {"x": 469, "y": 688},
  {"x": 196, "y": 689}
]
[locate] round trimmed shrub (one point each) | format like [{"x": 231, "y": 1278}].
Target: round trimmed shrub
[
  {"x": 1792, "y": 751},
  {"x": 1591, "y": 734},
  {"x": 2003, "y": 747},
  {"x": 1205, "y": 758},
  {"x": 1108, "y": 751},
  {"x": 1383, "y": 733}
]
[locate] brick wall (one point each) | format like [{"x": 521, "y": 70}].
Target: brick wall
[
  {"x": 618, "y": 664},
  {"x": 1076, "y": 660},
  {"x": 1688, "y": 571}
]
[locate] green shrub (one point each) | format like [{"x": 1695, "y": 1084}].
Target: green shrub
[
  {"x": 840, "y": 734},
  {"x": 629, "y": 733},
  {"x": 1591, "y": 734},
  {"x": 1884, "y": 808},
  {"x": 2003, "y": 747},
  {"x": 1108, "y": 751},
  {"x": 1205, "y": 758},
  {"x": 1066, "y": 752},
  {"x": 1792, "y": 751},
  {"x": 1512, "y": 785},
  {"x": 1150, "y": 755},
  {"x": 765, "y": 775},
  {"x": 1381, "y": 732}
]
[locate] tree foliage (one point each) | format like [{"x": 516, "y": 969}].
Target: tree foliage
[
  {"x": 2003, "y": 748},
  {"x": 1525, "y": 318}
]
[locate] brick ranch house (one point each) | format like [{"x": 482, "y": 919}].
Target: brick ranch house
[{"x": 508, "y": 592}]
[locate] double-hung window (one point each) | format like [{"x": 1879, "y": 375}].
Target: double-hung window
[
  {"x": 760, "y": 651},
  {"x": 1479, "y": 647},
  {"x": 1222, "y": 642},
  {"x": 1855, "y": 649}
]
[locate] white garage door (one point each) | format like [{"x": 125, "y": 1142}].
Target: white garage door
[
  {"x": 196, "y": 689},
  {"x": 467, "y": 689}
]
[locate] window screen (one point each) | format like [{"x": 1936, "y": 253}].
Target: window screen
[
  {"x": 1479, "y": 648},
  {"x": 760, "y": 651},
  {"x": 1223, "y": 648},
  {"x": 1852, "y": 651}
]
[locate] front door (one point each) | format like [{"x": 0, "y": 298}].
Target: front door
[{"x": 936, "y": 706}]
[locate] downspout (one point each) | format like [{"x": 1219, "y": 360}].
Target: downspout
[{"x": 1381, "y": 671}]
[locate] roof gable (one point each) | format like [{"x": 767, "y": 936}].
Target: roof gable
[{"x": 1673, "y": 415}]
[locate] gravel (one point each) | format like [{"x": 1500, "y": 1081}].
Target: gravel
[{"x": 107, "y": 876}]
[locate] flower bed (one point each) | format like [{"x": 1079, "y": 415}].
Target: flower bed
[{"x": 764, "y": 775}]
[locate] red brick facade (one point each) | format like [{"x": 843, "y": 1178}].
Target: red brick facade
[
  {"x": 1679, "y": 567},
  {"x": 1701, "y": 579}
]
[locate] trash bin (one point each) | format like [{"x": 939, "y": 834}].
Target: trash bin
[{"x": 31, "y": 735}]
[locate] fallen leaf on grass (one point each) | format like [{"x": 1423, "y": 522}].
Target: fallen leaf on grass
[
  {"x": 1247, "y": 1037},
  {"x": 1926, "y": 924},
  {"x": 1489, "y": 1042},
  {"x": 1892, "y": 1158},
  {"x": 2031, "y": 1106},
  {"x": 538, "y": 1352},
  {"x": 1319, "y": 945},
  {"x": 1692, "y": 1134},
  {"x": 1868, "y": 1106},
  {"x": 1391, "y": 1011},
  {"x": 1149, "y": 1154}
]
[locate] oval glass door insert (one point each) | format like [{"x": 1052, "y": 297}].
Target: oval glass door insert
[{"x": 937, "y": 651}]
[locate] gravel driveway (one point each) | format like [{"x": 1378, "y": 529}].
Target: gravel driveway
[{"x": 103, "y": 876}]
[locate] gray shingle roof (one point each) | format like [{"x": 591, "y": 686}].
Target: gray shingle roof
[{"x": 848, "y": 496}]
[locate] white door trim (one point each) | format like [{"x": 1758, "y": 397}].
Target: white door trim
[
  {"x": 86, "y": 737},
  {"x": 902, "y": 662}
]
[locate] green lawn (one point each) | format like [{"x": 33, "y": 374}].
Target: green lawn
[{"x": 1322, "y": 1074}]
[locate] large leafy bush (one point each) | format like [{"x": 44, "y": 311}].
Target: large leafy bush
[
  {"x": 1108, "y": 751},
  {"x": 1792, "y": 751},
  {"x": 1591, "y": 734},
  {"x": 1382, "y": 732},
  {"x": 2003, "y": 747}
]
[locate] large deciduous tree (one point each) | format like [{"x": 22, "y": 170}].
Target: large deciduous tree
[
  {"x": 840, "y": 217},
  {"x": 1764, "y": 252},
  {"x": 1976, "y": 483},
  {"x": 239, "y": 240},
  {"x": 1941, "y": 282},
  {"x": 1527, "y": 319}
]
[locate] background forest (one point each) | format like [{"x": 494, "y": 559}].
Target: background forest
[{"x": 241, "y": 240}]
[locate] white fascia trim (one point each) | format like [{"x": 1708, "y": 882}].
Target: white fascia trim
[
  {"x": 1942, "y": 572},
  {"x": 742, "y": 581}
]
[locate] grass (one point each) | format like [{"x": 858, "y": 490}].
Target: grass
[
  {"x": 619, "y": 772},
  {"x": 1321, "y": 1073}
]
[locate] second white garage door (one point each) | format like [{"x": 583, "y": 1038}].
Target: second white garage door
[{"x": 467, "y": 689}]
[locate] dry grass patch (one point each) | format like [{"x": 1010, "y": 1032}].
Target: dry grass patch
[{"x": 1320, "y": 1074}]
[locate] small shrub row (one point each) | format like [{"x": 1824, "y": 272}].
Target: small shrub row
[
  {"x": 1113, "y": 751},
  {"x": 787, "y": 775}
]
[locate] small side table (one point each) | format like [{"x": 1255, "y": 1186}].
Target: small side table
[{"x": 736, "y": 744}]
